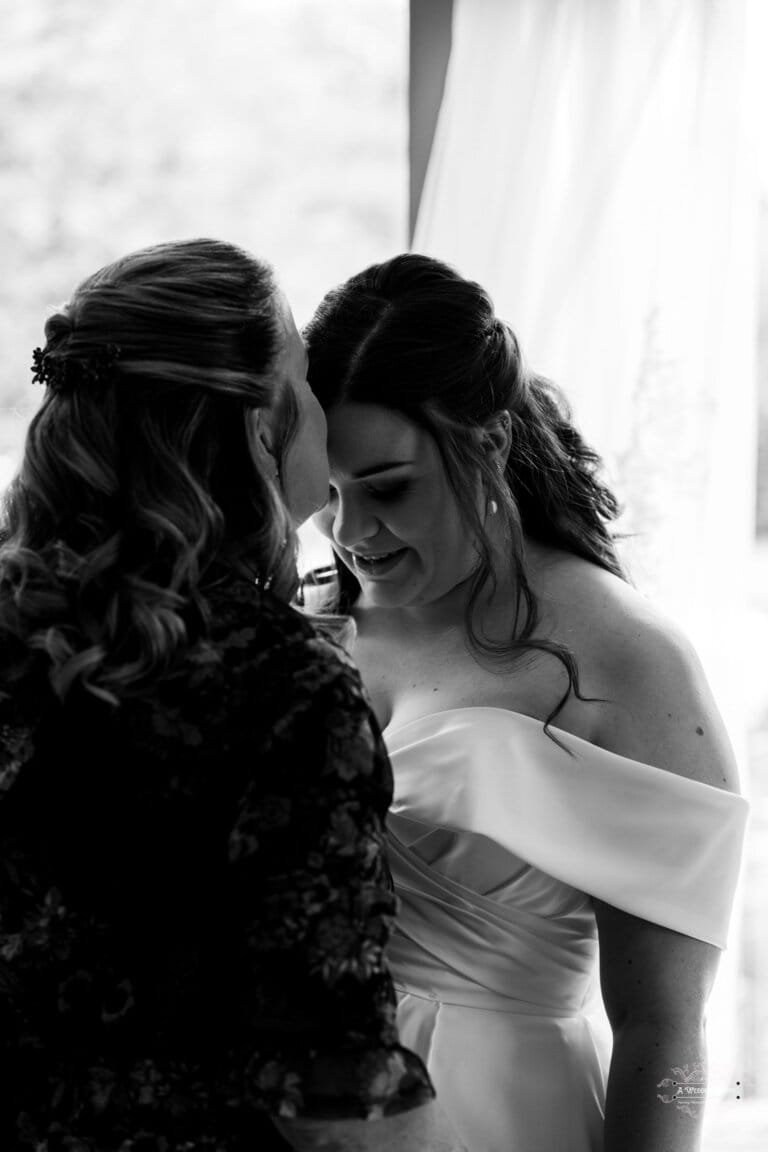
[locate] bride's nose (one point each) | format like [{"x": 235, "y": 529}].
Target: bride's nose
[{"x": 353, "y": 521}]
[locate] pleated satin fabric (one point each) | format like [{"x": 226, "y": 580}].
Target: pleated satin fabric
[{"x": 498, "y": 841}]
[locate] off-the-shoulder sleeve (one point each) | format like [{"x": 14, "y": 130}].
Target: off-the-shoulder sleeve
[
  {"x": 308, "y": 868},
  {"x": 658, "y": 845}
]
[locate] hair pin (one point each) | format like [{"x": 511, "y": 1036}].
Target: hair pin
[{"x": 63, "y": 373}]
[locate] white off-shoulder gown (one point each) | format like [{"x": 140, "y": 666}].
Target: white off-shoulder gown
[{"x": 498, "y": 841}]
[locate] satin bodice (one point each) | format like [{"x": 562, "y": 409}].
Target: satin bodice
[{"x": 500, "y": 838}]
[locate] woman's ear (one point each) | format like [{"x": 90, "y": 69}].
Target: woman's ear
[
  {"x": 258, "y": 433},
  {"x": 497, "y": 438}
]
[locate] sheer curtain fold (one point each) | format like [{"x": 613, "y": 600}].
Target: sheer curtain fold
[{"x": 592, "y": 169}]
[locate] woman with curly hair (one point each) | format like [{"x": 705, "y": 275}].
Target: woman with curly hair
[
  {"x": 562, "y": 775},
  {"x": 194, "y": 900}
]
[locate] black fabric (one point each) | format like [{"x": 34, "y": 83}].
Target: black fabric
[{"x": 194, "y": 901}]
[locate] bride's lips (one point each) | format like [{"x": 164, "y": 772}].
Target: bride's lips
[{"x": 380, "y": 565}]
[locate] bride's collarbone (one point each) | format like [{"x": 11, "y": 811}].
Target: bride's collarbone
[
  {"x": 401, "y": 691},
  {"x": 407, "y": 681}
]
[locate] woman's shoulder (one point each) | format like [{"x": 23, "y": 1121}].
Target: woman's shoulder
[
  {"x": 252, "y": 627},
  {"x": 656, "y": 703}
]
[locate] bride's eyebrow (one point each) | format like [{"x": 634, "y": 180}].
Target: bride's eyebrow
[{"x": 385, "y": 466}]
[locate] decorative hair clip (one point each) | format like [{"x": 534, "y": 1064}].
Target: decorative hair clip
[{"x": 63, "y": 373}]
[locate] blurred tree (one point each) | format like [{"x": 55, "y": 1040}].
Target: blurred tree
[{"x": 280, "y": 125}]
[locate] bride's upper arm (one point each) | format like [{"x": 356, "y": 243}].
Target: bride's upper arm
[
  {"x": 648, "y": 701},
  {"x": 661, "y": 712}
]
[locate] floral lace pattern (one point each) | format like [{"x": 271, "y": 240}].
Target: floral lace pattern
[{"x": 195, "y": 902}]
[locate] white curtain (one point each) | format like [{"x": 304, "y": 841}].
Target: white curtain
[{"x": 592, "y": 169}]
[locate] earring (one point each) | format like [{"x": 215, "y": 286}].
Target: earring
[{"x": 493, "y": 507}]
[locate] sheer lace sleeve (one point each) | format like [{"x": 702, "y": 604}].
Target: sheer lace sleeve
[{"x": 308, "y": 866}]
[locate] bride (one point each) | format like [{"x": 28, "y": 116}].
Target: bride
[{"x": 563, "y": 779}]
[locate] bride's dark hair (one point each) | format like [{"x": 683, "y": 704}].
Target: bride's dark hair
[
  {"x": 413, "y": 336},
  {"x": 139, "y": 485}
]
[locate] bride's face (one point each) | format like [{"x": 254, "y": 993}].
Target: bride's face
[{"x": 391, "y": 515}]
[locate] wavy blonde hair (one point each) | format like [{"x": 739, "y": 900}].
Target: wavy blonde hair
[{"x": 139, "y": 489}]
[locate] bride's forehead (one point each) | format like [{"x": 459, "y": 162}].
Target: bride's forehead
[{"x": 361, "y": 429}]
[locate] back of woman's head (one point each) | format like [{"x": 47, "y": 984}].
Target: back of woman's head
[
  {"x": 138, "y": 482},
  {"x": 414, "y": 336}
]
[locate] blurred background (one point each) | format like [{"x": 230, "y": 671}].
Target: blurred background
[{"x": 599, "y": 166}]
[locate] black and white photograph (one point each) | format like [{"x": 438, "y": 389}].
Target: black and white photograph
[{"x": 384, "y": 575}]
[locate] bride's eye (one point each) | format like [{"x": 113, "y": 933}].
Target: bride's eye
[{"x": 391, "y": 491}]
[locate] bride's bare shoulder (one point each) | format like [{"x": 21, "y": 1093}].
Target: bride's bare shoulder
[
  {"x": 594, "y": 606},
  {"x": 658, "y": 705}
]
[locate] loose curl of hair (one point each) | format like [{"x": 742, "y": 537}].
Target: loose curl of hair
[
  {"x": 140, "y": 488},
  {"x": 413, "y": 336}
]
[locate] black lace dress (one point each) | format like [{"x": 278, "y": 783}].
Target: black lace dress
[{"x": 194, "y": 901}]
